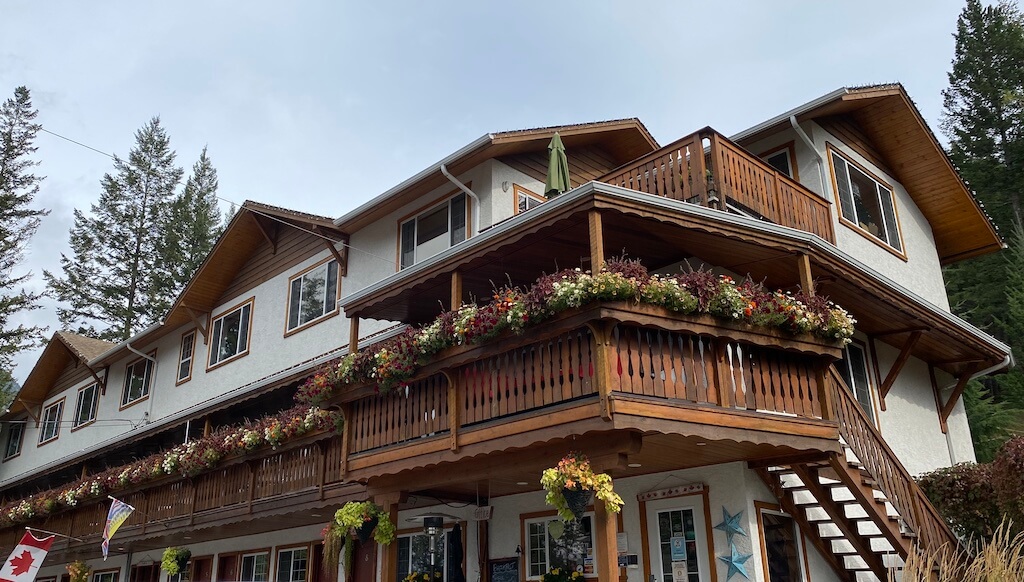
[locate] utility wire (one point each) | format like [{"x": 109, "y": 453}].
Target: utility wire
[{"x": 221, "y": 198}]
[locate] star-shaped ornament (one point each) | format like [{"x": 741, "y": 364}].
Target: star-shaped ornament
[
  {"x": 735, "y": 560},
  {"x": 731, "y": 524}
]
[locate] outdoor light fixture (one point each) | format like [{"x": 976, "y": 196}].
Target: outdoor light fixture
[{"x": 433, "y": 528}]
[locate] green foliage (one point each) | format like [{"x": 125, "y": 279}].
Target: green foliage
[
  {"x": 992, "y": 422},
  {"x": 574, "y": 472},
  {"x": 174, "y": 560},
  {"x": 18, "y": 222},
  {"x": 1008, "y": 479},
  {"x": 964, "y": 495},
  {"x": 354, "y": 514}
]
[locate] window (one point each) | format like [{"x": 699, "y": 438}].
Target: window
[
  {"x": 254, "y": 567},
  {"x": 231, "y": 334},
  {"x": 573, "y": 549},
  {"x": 525, "y": 199},
  {"x": 854, "y": 370},
  {"x": 291, "y": 565},
  {"x": 105, "y": 576},
  {"x": 781, "y": 546},
  {"x": 49, "y": 426},
  {"x": 782, "y": 158},
  {"x": 433, "y": 231},
  {"x": 414, "y": 555},
  {"x": 15, "y": 434},
  {"x": 137, "y": 379},
  {"x": 313, "y": 294},
  {"x": 866, "y": 202},
  {"x": 188, "y": 349},
  {"x": 85, "y": 409}
]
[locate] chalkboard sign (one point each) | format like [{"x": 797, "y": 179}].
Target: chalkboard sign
[{"x": 503, "y": 570}]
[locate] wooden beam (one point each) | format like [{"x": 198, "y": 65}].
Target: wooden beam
[
  {"x": 958, "y": 390},
  {"x": 596, "y": 241},
  {"x": 803, "y": 263},
  {"x": 606, "y": 550},
  {"x": 902, "y": 330},
  {"x": 337, "y": 255},
  {"x": 897, "y": 366},
  {"x": 938, "y": 399},
  {"x": 195, "y": 321},
  {"x": 272, "y": 241},
  {"x": 353, "y": 335},
  {"x": 389, "y": 558},
  {"x": 78, "y": 360},
  {"x": 456, "y": 301}
]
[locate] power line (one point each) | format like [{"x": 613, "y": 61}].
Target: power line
[{"x": 43, "y": 129}]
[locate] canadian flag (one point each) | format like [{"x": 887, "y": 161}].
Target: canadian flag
[{"x": 26, "y": 559}]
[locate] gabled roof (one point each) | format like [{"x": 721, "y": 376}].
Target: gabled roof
[
  {"x": 623, "y": 139},
  {"x": 64, "y": 347},
  {"x": 896, "y": 129}
]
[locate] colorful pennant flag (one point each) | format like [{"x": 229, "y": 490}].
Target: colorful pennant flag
[
  {"x": 26, "y": 559},
  {"x": 119, "y": 512}
]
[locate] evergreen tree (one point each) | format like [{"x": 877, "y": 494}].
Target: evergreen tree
[
  {"x": 114, "y": 284},
  {"x": 193, "y": 225},
  {"x": 18, "y": 222}
]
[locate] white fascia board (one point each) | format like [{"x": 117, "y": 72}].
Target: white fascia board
[{"x": 784, "y": 117}]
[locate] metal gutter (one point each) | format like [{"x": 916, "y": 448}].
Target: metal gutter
[
  {"x": 794, "y": 235},
  {"x": 423, "y": 174},
  {"x": 125, "y": 343},
  {"x": 784, "y": 117}
]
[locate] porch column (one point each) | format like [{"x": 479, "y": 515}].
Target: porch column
[
  {"x": 456, "y": 290},
  {"x": 596, "y": 241},
  {"x": 806, "y": 281},
  {"x": 353, "y": 334},
  {"x": 606, "y": 550},
  {"x": 389, "y": 557}
]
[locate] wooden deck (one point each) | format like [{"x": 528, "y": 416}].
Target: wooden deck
[{"x": 706, "y": 168}]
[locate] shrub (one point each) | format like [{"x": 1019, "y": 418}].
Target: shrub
[{"x": 964, "y": 496}]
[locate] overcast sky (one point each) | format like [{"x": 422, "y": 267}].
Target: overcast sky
[{"x": 319, "y": 106}]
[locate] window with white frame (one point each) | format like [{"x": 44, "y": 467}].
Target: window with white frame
[
  {"x": 15, "y": 435},
  {"x": 291, "y": 565},
  {"x": 85, "y": 408},
  {"x": 781, "y": 547},
  {"x": 185, "y": 356},
  {"x": 137, "y": 380},
  {"x": 525, "y": 199},
  {"x": 105, "y": 576},
  {"x": 49, "y": 422},
  {"x": 854, "y": 370},
  {"x": 572, "y": 550},
  {"x": 433, "y": 231},
  {"x": 231, "y": 334},
  {"x": 313, "y": 294},
  {"x": 780, "y": 160},
  {"x": 866, "y": 202},
  {"x": 255, "y": 567},
  {"x": 182, "y": 576},
  {"x": 414, "y": 555}
]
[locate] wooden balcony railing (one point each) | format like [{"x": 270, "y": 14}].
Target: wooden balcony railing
[
  {"x": 892, "y": 477},
  {"x": 706, "y": 168}
]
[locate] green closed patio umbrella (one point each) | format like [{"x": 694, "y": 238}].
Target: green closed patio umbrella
[{"x": 558, "y": 169}]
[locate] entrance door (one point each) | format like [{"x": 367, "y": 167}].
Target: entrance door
[
  {"x": 676, "y": 533},
  {"x": 364, "y": 562}
]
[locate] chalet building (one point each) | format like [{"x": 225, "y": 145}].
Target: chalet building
[{"x": 738, "y": 451}]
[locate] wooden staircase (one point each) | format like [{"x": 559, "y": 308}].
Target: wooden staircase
[{"x": 860, "y": 509}]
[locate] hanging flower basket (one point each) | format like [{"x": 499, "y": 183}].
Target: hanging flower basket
[
  {"x": 78, "y": 571},
  {"x": 365, "y": 518},
  {"x": 364, "y": 531},
  {"x": 570, "y": 484},
  {"x": 175, "y": 560}
]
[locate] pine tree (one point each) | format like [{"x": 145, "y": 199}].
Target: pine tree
[
  {"x": 193, "y": 225},
  {"x": 114, "y": 284},
  {"x": 18, "y": 222}
]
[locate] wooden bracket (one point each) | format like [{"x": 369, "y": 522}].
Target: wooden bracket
[
  {"x": 961, "y": 384},
  {"x": 897, "y": 366},
  {"x": 938, "y": 398},
  {"x": 271, "y": 240},
  {"x": 195, "y": 321},
  {"x": 101, "y": 382},
  {"x": 902, "y": 330},
  {"x": 338, "y": 256}
]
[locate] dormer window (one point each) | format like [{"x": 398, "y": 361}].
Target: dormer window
[
  {"x": 865, "y": 202},
  {"x": 434, "y": 231},
  {"x": 49, "y": 425},
  {"x": 15, "y": 435},
  {"x": 231, "y": 334}
]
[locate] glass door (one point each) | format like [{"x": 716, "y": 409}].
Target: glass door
[{"x": 676, "y": 533}]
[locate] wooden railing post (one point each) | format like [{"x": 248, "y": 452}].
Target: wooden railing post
[
  {"x": 602, "y": 332},
  {"x": 346, "y": 437},
  {"x": 717, "y": 172},
  {"x": 723, "y": 375},
  {"x": 825, "y": 395},
  {"x": 453, "y": 409}
]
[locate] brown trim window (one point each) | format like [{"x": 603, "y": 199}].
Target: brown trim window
[
  {"x": 292, "y": 564},
  {"x": 781, "y": 545},
  {"x": 434, "y": 231},
  {"x": 567, "y": 552},
  {"x": 85, "y": 406},
  {"x": 186, "y": 354},
  {"x": 15, "y": 436},
  {"x": 312, "y": 295},
  {"x": 525, "y": 199},
  {"x": 866, "y": 202},
  {"x": 49, "y": 422},
  {"x": 783, "y": 159},
  {"x": 230, "y": 333},
  {"x": 138, "y": 378},
  {"x": 854, "y": 370}
]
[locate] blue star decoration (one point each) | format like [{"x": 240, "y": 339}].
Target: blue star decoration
[
  {"x": 735, "y": 561},
  {"x": 731, "y": 524}
]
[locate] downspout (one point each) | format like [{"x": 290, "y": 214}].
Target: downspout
[
  {"x": 1007, "y": 361},
  {"x": 810, "y": 145},
  {"x": 476, "y": 200},
  {"x": 149, "y": 412}
]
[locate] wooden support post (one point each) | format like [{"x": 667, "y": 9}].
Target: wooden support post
[
  {"x": 897, "y": 366},
  {"x": 453, "y": 410},
  {"x": 723, "y": 372},
  {"x": 346, "y": 437},
  {"x": 606, "y": 552},
  {"x": 353, "y": 335},
  {"x": 456, "y": 301},
  {"x": 806, "y": 280},
  {"x": 207, "y": 427},
  {"x": 596, "y": 241},
  {"x": 602, "y": 333},
  {"x": 389, "y": 557}
]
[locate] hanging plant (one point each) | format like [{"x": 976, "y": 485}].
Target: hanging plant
[
  {"x": 571, "y": 483},
  {"x": 78, "y": 571},
  {"x": 175, "y": 560},
  {"x": 355, "y": 520}
]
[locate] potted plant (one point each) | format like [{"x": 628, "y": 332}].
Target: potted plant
[
  {"x": 422, "y": 577},
  {"x": 570, "y": 484},
  {"x": 360, "y": 520},
  {"x": 175, "y": 560},
  {"x": 78, "y": 571},
  {"x": 561, "y": 575}
]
